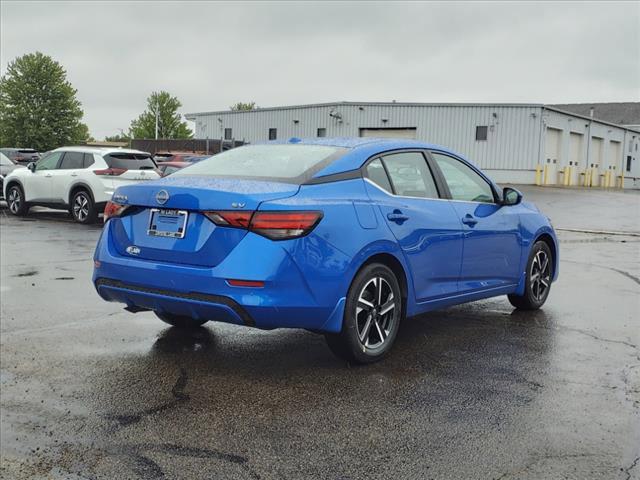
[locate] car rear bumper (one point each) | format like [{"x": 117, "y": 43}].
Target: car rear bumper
[{"x": 285, "y": 301}]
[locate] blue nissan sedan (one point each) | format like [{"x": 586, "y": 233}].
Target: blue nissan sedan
[{"x": 348, "y": 237}]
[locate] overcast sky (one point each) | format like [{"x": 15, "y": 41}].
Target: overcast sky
[{"x": 211, "y": 55}]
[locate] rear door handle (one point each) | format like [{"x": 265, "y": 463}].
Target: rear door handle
[
  {"x": 397, "y": 216},
  {"x": 48, "y": 175},
  {"x": 469, "y": 220},
  {"x": 74, "y": 174}
]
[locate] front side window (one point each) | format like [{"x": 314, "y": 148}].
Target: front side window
[
  {"x": 49, "y": 162},
  {"x": 410, "y": 175},
  {"x": 270, "y": 161},
  {"x": 377, "y": 174},
  {"x": 464, "y": 183},
  {"x": 72, "y": 160}
]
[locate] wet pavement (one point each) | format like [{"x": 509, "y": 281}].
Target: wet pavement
[{"x": 477, "y": 391}]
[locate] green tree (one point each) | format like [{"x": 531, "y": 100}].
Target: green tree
[
  {"x": 38, "y": 105},
  {"x": 240, "y": 106},
  {"x": 170, "y": 124},
  {"x": 120, "y": 137}
]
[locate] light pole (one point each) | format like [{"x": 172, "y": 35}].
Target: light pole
[{"x": 157, "y": 108}]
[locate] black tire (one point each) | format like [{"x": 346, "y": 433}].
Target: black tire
[
  {"x": 179, "y": 321},
  {"x": 538, "y": 279},
  {"x": 368, "y": 334},
  {"x": 16, "y": 202},
  {"x": 82, "y": 208}
]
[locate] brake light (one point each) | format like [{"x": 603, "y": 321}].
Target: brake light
[
  {"x": 113, "y": 209},
  {"x": 246, "y": 283},
  {"x": 230, "y": 218},
  {"x": 280, "y": 225},
  {"x": 114, "y": 172}
]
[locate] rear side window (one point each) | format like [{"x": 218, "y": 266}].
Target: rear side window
[
  {"x": 72, "y": 160},
  {"x": 410, "y": 175},
  {"x": 130, "y": 161},
  {"x": 88, "y": 160},
  {"x": 377, "y": 174},
  {"x": 292, "y": 163}
]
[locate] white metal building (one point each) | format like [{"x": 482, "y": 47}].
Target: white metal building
[{"x": 515, "y": 143}]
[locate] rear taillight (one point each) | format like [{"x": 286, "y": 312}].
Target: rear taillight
[
  {"x": 114, "y": 172},
  {"x": 113, "y": 209},
  {"x": 278, "y": 225}
]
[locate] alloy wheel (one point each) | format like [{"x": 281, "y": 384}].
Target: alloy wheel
[
  {"x": 375, "y": 312},
  {"x": 14, "y": 200},
  {"x": 540, "y": 277},
  {"x": 81, "y": 207}
]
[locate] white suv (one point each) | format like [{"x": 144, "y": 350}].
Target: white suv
[{"x": 78, "y": 179}]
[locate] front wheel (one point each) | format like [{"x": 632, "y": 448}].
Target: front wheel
[
  {"x": 15, "y": 201},
  {"x": 371, "y": 318},
  {"x": 538, "y": 280},
  {"x": 179, "y": 321}
]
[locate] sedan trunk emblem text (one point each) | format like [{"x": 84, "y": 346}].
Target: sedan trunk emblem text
[{"x": 162, "y": 196}]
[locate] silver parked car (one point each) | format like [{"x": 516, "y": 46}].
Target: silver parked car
[{"x": 6, "y": 167}]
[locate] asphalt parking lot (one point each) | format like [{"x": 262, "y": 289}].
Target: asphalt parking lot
[{"x": 478, "y": 391}]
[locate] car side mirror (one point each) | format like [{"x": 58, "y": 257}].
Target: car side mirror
[
  {"x": 32, "y": 166},
  {"x": 511, "y": 196}
]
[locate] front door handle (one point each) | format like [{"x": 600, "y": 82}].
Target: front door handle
[
  {"x": 397, "y": 216},
  {"x": 469, "y": 220},
  {"x": 48, "y": 175}
]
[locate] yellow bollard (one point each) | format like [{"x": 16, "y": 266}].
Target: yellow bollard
[{"x": 538, "y": 171}]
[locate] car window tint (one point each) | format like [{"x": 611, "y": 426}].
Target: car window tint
[
  {"x": 463, "y": 182},
  {"x": 377, "y": 174},
  {"x": 49, "y": 162},
  {"x": 88, "y": 160},
  {"x": 130, "y": 161},
  {"x": 72, "y": 160},
  {"x": 271, "y": 161},
  {"x": 410, "y": 175}
]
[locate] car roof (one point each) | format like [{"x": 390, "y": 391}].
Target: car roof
[
  {"x": 360, "y": 149},
  {"x": 98, "y": 150}
]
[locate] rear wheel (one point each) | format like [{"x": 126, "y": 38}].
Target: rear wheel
[
  {"x": 372, "y": 316},
  {"x": 179, "y": 321},
  {"x": 15, "y": 201},
  {"x": 83, "y": 209},
  {"x": 538, "y": 281}
]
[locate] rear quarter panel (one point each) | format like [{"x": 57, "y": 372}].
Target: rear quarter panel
[{"x": 350, "y": 232}]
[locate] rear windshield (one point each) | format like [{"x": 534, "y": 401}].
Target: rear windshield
[
  {"x": 27, "y": 150},
  {"x": 130, "y": 161},
  {"x": 289, "y": 163}
]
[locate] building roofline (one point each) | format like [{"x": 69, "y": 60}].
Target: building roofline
[
  {"x": 603, "y": 122},
  {"x": 364, "y": 104}
]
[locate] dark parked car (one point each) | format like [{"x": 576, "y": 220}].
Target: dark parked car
[
  {"x": 167, "y": 168},
  {"x": 21, "y": 156}
]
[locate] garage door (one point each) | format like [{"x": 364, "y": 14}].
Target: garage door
[
  {"x": 597, "y": 147},
  {"x": 409, "y": 133},
  {"x": 615, "y": 153},
  {"x": 552, "y": 154},
  {"x": 576, "y": 161}
]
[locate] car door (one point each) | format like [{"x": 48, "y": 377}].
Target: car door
[
  {"x": 426, "y": 227},
  {"x": 492, "y": 242},
  {"x": 37, "y": 186},
  {"x": 63, "y": 177}
]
